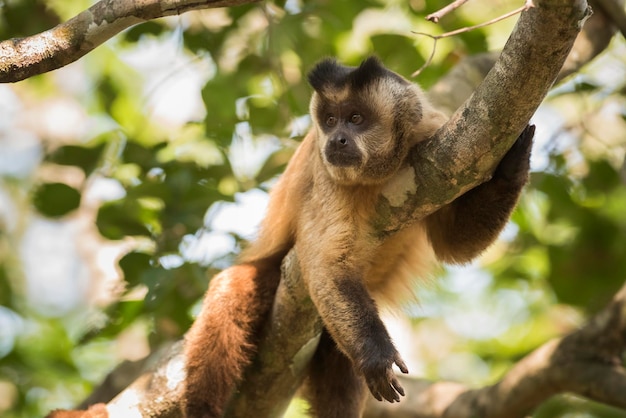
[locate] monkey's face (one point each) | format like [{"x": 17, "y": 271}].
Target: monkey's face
[
  {"x": 354, "y": 140},
  {"x": 363, "y": 119}
]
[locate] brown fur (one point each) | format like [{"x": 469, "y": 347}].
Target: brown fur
[{"x": 322, "y": 206}]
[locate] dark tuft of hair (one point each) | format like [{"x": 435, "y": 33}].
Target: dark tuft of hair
[
  {"x": 371, "y": 69},
  {"x": 327, "y": 72}
]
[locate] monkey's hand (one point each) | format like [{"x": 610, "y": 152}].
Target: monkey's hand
[
  {"x": 379, "y": 375},
  {"x": 515, "y": 164}
]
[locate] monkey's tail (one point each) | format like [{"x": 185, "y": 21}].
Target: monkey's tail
[{"x": 224, "y": 337}]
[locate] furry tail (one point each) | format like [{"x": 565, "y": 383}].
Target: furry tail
[{"x": 224, "y": 337}]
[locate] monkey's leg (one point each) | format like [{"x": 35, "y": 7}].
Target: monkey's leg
[
  {"x": 223, "y": 339},
  {"x": 333, "y": 388},
  {"x": 461, "y": 230}
]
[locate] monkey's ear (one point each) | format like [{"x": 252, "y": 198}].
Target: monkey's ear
[
  {"x": 369, "y": 70},
  {"x": 326, "y": 73}
]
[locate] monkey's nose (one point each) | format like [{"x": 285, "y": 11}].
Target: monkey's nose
[{"x": 338, "y": 142}]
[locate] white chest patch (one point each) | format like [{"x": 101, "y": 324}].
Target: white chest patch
[{"x": 398, "y": 188}]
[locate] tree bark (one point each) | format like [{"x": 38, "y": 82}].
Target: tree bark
[{"x": 21, "y": 58}]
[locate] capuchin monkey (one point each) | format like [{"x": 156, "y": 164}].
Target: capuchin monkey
[{"x": 365, "y": 121}]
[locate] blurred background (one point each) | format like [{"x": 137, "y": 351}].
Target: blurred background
[{"x": 131, "y": 176}]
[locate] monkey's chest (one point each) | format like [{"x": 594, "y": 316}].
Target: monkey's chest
[{"x": 399, "y": 263}]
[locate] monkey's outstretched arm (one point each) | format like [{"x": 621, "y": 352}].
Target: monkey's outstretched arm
[
  {"x": 350, "y": 315},
  {"x": 461, "y": 230}
]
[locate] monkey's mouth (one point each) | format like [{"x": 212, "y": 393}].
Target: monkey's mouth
[{"x": 340, "y": 158}]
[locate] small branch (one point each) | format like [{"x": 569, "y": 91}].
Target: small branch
[
  {"x": 434, "y": 17},
  {"x": 457, "y": 85},
  {"x": 529, "y": 4},
  {"x": 21, "y": 58}
]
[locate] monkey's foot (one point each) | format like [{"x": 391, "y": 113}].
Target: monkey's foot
[{"x": 516, "y": 163}]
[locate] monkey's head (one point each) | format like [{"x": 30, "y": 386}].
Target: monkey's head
[{"x": 365, "y": 118}]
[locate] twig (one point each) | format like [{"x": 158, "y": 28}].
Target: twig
[
  {"x": 527, "y": 5},
  {"x": 434, "y": 17}
]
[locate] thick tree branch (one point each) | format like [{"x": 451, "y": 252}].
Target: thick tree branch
[
  {"x": 466, "y": 149},
  {"x": 21, "y": 58},
  {"x": 289, "y": 341},
  {"x": 586, "y": 362}
]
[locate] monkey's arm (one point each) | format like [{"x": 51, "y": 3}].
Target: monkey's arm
[
  {"x": 351, "y": 317},
  {"x": 335, "y": 283},
  {"x": 461, "y": 230}
]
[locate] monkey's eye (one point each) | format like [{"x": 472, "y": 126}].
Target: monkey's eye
[
  {"x": 356, "y": 118},
  {"x": 331, "y": 121}
]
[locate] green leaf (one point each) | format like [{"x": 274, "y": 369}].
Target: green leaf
[
  {"x": 56, "y": 199},
  {"x": 81, "y": 156},
  {"x": 123, "y": 218},
  {"x": 134, "y": 264}
]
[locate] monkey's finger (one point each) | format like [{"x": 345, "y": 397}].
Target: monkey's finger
[
  {"x": 374, "y": 392},
  {"x": 397, "y": 386},
  {"x": 401, "y": 364},
  {"x": 388, "y": 388},
  {"x": 390, "y": 395},
  {"x": 396, "y": 395}
]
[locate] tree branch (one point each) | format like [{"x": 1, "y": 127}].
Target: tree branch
[
  {"x": 456, "y": 86},
  {"x": 434, "y": 17},
  {"x": 586, "y": 362},
  {"x": 21, "y": 58},
  {"x": 467, "y": 148}
]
